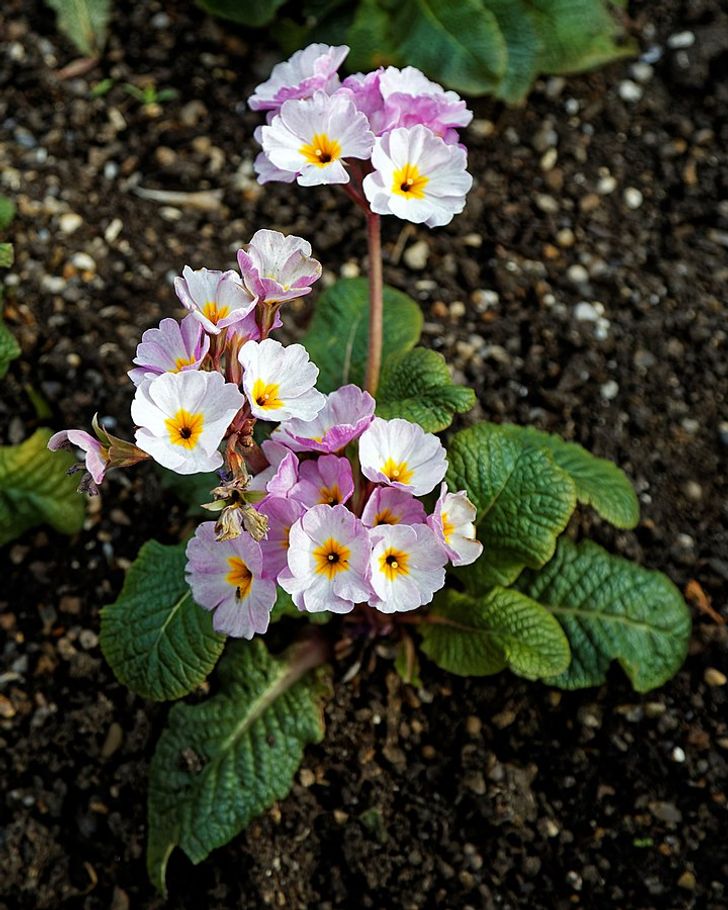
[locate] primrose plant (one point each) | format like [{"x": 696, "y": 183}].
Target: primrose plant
[{"x": 332, "y": 496}]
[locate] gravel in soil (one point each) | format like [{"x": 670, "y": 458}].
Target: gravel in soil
[{"x": 583, "y": 290}]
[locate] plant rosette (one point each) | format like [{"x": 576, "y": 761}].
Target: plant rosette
[{"x": 335, "y": 491}]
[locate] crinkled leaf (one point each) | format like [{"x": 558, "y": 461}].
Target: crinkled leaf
[
  {"x": 35, "y": 488},
  {"x": 370, "y": 37},
  {"x": 84, "y": 22},
  {"x": 220, "y": 763},
  {"x": 524, "y": 500},
  {"x": 523, "y": 48},
  {"x": 157, "y": 640},
  {"x": 478, "y": 636},
  {"x": 7, "y": 255},
  {"x": 612, "y": 609},
  {"x": 599, "y": 483},
  {"x": 246, "y": 12},
  {"x": 417, "y": 385},
  {"x": 338, "y": 337},
  {"x": 494, "y": 567},
  {"x": 9, "y": 347}
]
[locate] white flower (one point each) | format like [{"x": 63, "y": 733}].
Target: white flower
[
  {"x": 407, "y": 567},
  {"x": 277, "y": 267},
  {"x": 279, "y": 381},
  {"x": 402, "y": 455},
  {"x": 453, "y": 522},
  {"x": 417, "y": 176},
  {"x": 312, "y": 138},
  {"x": 182, "y": 418},
  {"x": 217, "y": 299}
]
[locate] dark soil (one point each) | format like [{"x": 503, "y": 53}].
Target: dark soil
[{"x": 465, "y": 794}]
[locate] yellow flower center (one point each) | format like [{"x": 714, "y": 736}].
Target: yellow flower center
[
  {"x": 393, "y": 563},
  {"x": 184, "y": 428},
  {"x": 240, "y": 577},
  {"x": 330, "y": 496},
  {"x": 321, "y": 150},
  {"x": 331, "y": 558},
  {"x": 447, "y": 527},
  {"x": 182, "y": 362},
  {"x": 408, "y": 182},
  {"x": 397, "y": 471},
  {"x": 265, "y": 395},
  {"x": 386, "y": 517},
  {"x": 214, "y": 312}
]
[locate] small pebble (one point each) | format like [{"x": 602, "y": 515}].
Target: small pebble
[
  {"x": 687, "y": 881},
  {"x": 678, "y": 755},
  {"x": 307, "y": 777},
  {"x": 714, "y": 677},
  {"x": 547, "y": 203},
  {"x": 693, "y": 491},
  {"x": 681, "y": 40},
  {"x": 609, "y": 390},
  {"x": 577, "y": 274},
  {"x": 482, "y": 128},
  {"x": 641, "y": 72},
  {"x": 350, "y": 270},
  {"x": 83, "y": 262},
  {"x": 112, "y": 232},
  {"x": 473, "y": 725},
  {"x": 633, "y": 198},
  {"x": 416, "y": 256},
  {"x": 630, "y": 91},
  {"x": 70, "y": 222},
  {"x": 690, "y": 425},
  {"x": 585, "y": 312},
  {"x": 606, "y": 185},
  {"x": 457, "y": 309},
  {"x": 565, "y": 238},
  {"x": 549, "y": 159}
]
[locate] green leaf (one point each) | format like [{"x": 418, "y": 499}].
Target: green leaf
[
  {"x": 9, "y": 347},
  {"x": 338, "y": 336},
  {"x": 370, "y": 37},
  {"x": 220, "y": 763},
  {"x": 456, "y": 42},
  {"x": 577, "y": 35},
  {"x": 35, "y": 489},
  {"x": 524, "y": 500},
  {"x": 599, "y": 483},
  {"x": 157, "y": 640},
  {"x": 610, "y": 610},
  {"x": 246, "y": 12},
  {"x": 417, "y": 385},
  {"x": 523, "y": 47},
  {"x": 407, "y": 664},
  {"x": 7, "y": 255},
  {"x": 493, "y": 568},
  {"x": 84, "y": 22},
  {"x": 7, "y": 212},
  {"x": 478, "y": 636},
  {"x": 191, "y": 489}
]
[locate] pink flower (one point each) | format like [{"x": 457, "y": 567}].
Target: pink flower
[
  {"x": 327, "y": 480},
  {"x": 276, "y": 267},
  {"x": 417, "y": 177},
  {"x": 309, "y": 69},
  {"x": 282, "y": 513},
  {"x": 313, "y": 138},
  {"x": 281, "y": 475},
  {"x": 217, "y": 299},
  {"x": 328, "y": 561},
  {"x": 407, "y": 567},
  {"x": 227, "y": 577},
  {"x": 171, "y": 348},
  {"x": 364, "y": 89},
  {"x": 347, "y": 413},
  {"x": 96, "y": 455},
  {"x": 402, "y": 455},
  {"x": 390, "y": 506},
  {"x": 453, "y": 522},
  {"x": 410, "y": 98}
]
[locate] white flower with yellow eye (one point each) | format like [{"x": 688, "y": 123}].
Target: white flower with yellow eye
[
  {"x": 400, "y": 454},
  {"x": 453, "y": 522},
  {"x": 417, "y": 176},
  {"x": 182, "y": 418},
  {"x": 216, "y": 299},
  {"x": 407, "y": 567},
  {"x": 279, "y": 381}
]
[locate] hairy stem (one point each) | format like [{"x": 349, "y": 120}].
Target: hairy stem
[{"x": 374, "y": 361}]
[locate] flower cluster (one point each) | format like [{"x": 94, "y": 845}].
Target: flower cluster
[
  {"x": 326, "y": 507},
  {"x": 390, "y": 136}
]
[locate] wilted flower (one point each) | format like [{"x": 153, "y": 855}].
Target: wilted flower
[
  {"x": 276, "y": 267},
  {"x": 217, "y": 299},
  {"x": 407, "y": 567},
  {"x": 347, "y": 413},
  {"x": 170, "y": 348},
  {"x": 328, "y": 561},
  {"x": 309, "y": 69},
  {"x": 453, "y": 522},
  {"x": 417, "y": 176},
  {"x": 96, "y": 455},
  {"x": 313, "y": 138},
  {"x": 326, "y": 481},
  {"x": 400, "y": 454},
  {"x": 390, "y": 506},
  {"x": 227, "y": 577},
  {"x": 279, "y": 381},
  {"x": 182, "y": 418}
]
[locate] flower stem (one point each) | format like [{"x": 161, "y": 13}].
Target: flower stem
[{"x": 374, "y": 361}]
